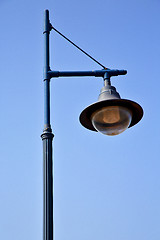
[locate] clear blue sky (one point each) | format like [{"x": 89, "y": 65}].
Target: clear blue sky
[{"x": 105, "y": 188}]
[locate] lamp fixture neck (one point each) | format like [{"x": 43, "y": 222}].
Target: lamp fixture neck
[{"x": 107, "y": 81}]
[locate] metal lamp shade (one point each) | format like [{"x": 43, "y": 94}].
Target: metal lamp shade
[{"x": 134, "y": 108}]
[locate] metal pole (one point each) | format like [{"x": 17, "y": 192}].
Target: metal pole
[{"x": 47, "y": 138}]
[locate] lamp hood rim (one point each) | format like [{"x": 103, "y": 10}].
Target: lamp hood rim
[{"x": 135, "y": 108}]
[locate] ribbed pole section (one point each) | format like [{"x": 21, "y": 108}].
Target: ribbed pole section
[
  {"x": 47, "y": 138},
  {"x": 47, "y": 186}
]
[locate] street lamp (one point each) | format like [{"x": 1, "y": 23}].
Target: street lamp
[{"x": 111, "y": 115}]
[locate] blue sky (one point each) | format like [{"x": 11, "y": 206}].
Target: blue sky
[{"x": 104, "y": 187}]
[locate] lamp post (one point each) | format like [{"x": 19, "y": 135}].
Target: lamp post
[{"x": 111, "y": 115}]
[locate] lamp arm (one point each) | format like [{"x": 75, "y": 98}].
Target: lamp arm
[{"x": 97, "y": 73}]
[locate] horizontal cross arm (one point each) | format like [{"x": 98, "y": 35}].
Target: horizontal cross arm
[{"x": 96, "y": 73}]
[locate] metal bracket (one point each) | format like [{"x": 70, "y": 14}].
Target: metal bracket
[{"x": 97, "y": 73}]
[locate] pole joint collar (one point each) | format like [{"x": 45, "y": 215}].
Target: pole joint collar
[
  {"x": 47, "y": 135},
  {"x": 48, "y": 28}
]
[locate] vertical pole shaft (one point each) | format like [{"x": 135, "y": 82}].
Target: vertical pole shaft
[{"x": 47, "y": 138}]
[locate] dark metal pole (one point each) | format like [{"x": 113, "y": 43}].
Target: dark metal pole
[{"x": 47, "y": 138}]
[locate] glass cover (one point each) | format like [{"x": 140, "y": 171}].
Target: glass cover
[{"x": 111, "y": 120}]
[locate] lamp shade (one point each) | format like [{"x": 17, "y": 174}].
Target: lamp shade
[{"x": 111, "y": 117}]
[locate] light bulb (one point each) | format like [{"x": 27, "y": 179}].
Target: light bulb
[{"x": 111, "y": 120}]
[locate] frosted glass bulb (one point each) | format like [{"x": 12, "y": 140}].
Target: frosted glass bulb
[{"x": 111, "y": 120}]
